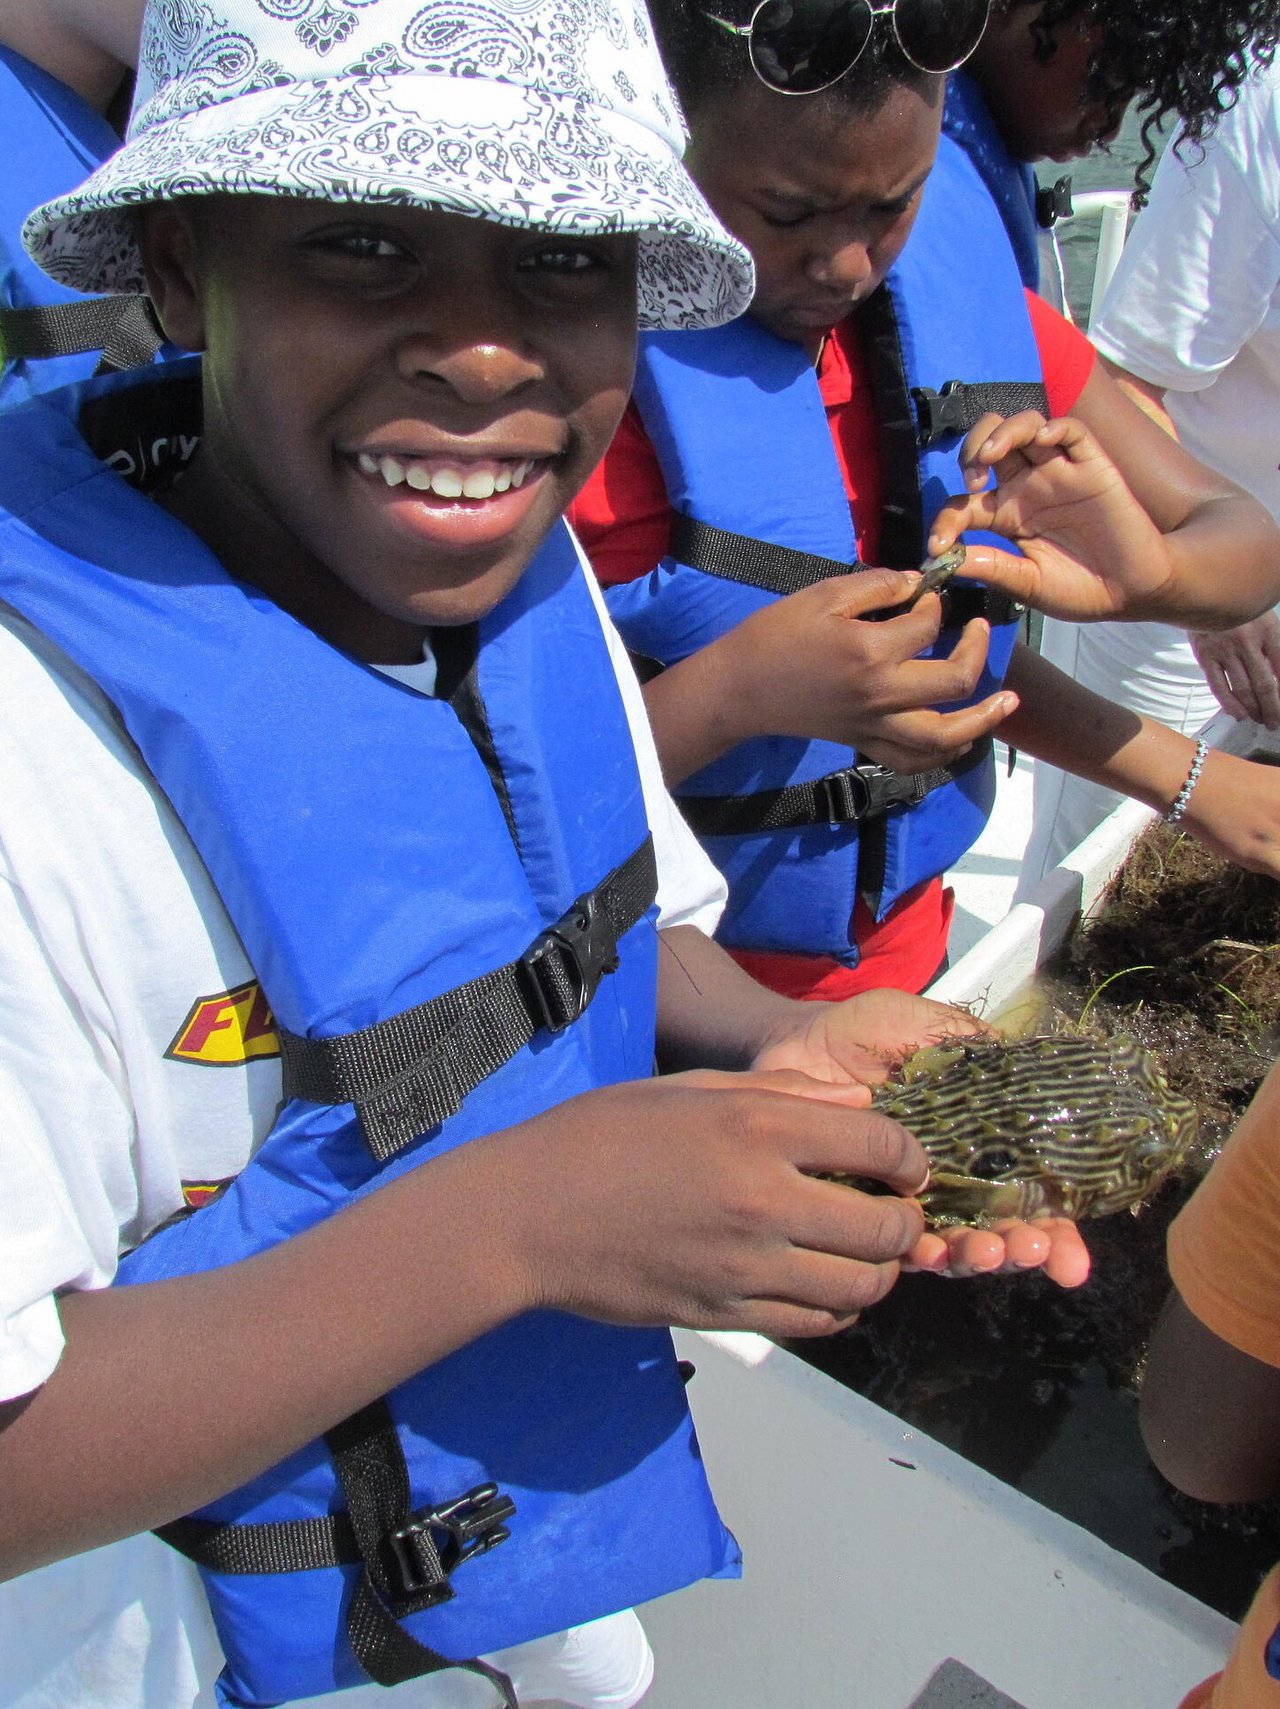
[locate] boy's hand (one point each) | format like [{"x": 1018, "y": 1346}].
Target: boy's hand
[
  {"x": 1090, "y": 551},
  {"x": 861, "y": 1041},
  {"x": 1051, "y": 1244},
  {"x": 691, "y": 1200},
  {"x": 1242, "y": 666},
  {"x": 813, "y": 665}
]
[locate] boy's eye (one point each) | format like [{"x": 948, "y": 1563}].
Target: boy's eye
[
  {"x": 562, "y": 258},
  {"x": 784, "y": 222},
  {"x": 358, "y": 246}
]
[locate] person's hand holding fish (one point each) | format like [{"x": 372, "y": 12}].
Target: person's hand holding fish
[{"x": 865, "y": 1040}]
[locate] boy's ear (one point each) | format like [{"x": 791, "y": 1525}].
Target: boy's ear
[{"x": 169, "y": 252}]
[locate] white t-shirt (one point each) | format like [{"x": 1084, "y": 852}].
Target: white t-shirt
[
  {"x": 135, "y": 1067},
  {"x": 1194, "y": 306}
]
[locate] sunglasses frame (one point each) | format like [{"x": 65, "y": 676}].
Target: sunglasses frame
[{"x": 889, "y": 10}]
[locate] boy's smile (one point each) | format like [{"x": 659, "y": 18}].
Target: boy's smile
[{"x": 398, "y": 403}]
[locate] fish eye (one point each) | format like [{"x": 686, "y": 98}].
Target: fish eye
[{"x": 992, "y": 1163}]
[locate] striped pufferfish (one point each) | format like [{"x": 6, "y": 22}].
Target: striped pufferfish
[{"x": 1046, "y": 1125}]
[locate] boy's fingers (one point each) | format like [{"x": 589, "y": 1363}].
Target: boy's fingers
[
  {"x": 1068, "y": 1262},
  {"x": 978, "y": 435},
  {"x": 1008, "y": 572},
  {"x": 1026, "y": 1244},
  {"x": 1006, "y": 437},
  {"x": 860, "y": 1143},
  {"x": 796, "y": 1084},
  {"x": 872, "y": 590},
  {"x": 973, "y": 1251},
  {"x": 848, "y": 1224}
]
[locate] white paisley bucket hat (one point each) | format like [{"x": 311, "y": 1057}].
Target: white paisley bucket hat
[{"x": 554, "y": 114}]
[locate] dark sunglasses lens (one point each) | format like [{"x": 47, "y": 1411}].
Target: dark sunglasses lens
[
  {"x": 938, "y": 35},
  {"x": 801, "y": 46}
]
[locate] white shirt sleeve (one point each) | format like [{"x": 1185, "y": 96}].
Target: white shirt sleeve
[
  {"x": 1199, "y": 272},
  {"x": 690, "y": 890}
]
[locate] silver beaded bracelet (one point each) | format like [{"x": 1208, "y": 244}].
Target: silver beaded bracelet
[{"x": 1184, "y": 794}]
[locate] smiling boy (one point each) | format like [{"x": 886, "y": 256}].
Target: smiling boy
[{"x": 330, "y": 834}]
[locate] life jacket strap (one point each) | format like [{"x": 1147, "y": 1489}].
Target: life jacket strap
[
  {"x": 412, "y": 1071},
  {"x": 852, "y": 796},
  {"x": 742, "y": 558},
  {"x": 124, "y": 328},
  {"x": 780, "y": 569},
  {"x": 408, "y": 1558},
  {"x": 960, "y": 406}
]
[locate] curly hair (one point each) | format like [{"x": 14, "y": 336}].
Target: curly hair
[
  {"x": 703, "y": 59},
  {"x": 1177, "y": 60}
]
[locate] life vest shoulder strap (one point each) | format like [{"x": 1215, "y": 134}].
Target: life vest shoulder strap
[
  {"x": 744, "y": 558},
  {"x": 124, "y": 328},
  {"x": 413, "y": 1070},
  {"x": 959, "y": 405}
]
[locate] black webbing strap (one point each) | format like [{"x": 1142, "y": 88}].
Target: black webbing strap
[
  {"x": 123, "y": 328},
  {"x": 850, "y": 797},
  {"x": 741, "y": 558},
  {"x": 408, "y": 1073},
  {"x": 407, "y": 1558},
  {"x": 963, "y": 601},
  {"x": 960, "y": 406}
]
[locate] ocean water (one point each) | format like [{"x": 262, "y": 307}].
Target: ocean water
[{"x": 1110, "y": 169}]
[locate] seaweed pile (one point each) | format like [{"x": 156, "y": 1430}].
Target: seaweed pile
[{"x": 1040, "y": 1386}]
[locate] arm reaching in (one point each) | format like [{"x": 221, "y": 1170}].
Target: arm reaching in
[{"x": 1234, "y": 808}]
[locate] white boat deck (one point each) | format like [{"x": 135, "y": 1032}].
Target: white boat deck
[{"x": 883, "y": 1571}]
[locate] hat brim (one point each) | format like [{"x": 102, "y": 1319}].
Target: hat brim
[{"x": 461, "y": 145}]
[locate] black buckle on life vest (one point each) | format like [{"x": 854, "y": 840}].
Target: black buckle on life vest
[
  {"x": 863, "y": 792},
  {"x": 423, "y": 1552},
  {"x": 939, "y": 414},
  {"x": 1054, "y": 203},
  {"x": 564, "y": 964}
]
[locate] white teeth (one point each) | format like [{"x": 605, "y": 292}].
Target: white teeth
[{"x": 445, "y": 483}]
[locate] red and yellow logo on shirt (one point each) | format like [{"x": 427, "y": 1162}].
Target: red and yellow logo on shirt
[
  {"x": 226, "y": 1030},
  {"x": 196, "y": 1194}
]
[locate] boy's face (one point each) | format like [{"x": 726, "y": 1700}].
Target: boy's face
[
  {"x": 398, "y": 403},
  {"x": 1039, "y": 105},
  {"x": 824, "y": 197}
]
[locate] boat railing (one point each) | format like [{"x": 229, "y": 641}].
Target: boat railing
[{"x": 1112, "y": 209}]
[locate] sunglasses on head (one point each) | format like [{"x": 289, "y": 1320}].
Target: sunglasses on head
[{"x": 801, "y": 46}]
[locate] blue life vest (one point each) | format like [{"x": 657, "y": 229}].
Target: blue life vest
[
  {"x": 1011, "y": 183},
  {"x": 740, "y": 430},
  {"x": 53, "y": 140},
  {"x": 377, "y": 849},
  {"x": 1273, "y": 1654}
]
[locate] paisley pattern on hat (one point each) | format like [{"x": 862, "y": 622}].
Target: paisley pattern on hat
[{"x": 535, "y": 113}]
